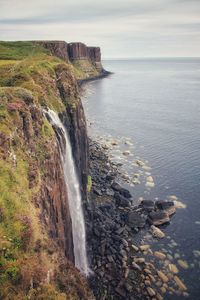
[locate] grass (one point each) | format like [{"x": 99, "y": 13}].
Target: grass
[
  {"x": 19, "y": 50},
  {"x": 84, "y": 68}
]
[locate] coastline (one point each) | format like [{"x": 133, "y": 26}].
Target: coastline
[
  {"x": 125, "y": 267},
  {"x": 102, "y": 75}
]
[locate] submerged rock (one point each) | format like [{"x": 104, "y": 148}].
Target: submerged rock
[
  {"x": 156, "y": 232},
  {"x": 158, "y": 218},
  {"x": 160, "y": 255},
  {"x": 179, "y": 283},
  {"x": 183, "y": 264},
  {"x": 173, "y": 268},
  {"x": 168, "y": 206}
]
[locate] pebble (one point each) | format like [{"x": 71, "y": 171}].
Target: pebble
[
  {"x": 160, "y": 255},
  {"x": 135, "y": 247},
  {"x": 163, "y": 290},
  {"x": 180, "y": 284},
  {"x": 144, "y": 247},
  {"x": 159, "y": 297},
  {"x": 147, "y": 271},
  {"x": 173, "y": 268},
  {"x": 150, "y": 184},
  {"x": 183, "y": 264},
  {"x": 156, "y": 232},
  {"x": 127, "y": 152},
  {"x": 151, "y": 292},
  {"x": 135, "y": 266},
  {"x": 162, "y": 276},
  {"x": 139, "y": 260}
]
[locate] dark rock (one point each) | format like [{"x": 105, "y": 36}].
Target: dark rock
[
  {"x": 121, "y": 200},
  {"x": 158, "y": 217},
  {"x": 124, "y": 192},
  {"x": 134, "y": 220},
  {"x": 128, "y": 287},
  {"x": 97, "y": 192},
  {"x": 109, "y": 177},
  {"x": 164, "y": 204},
  {"x": 148, "y": 205},
  {"x": 168, "y": 206},
  {"x": 121, "y": 292}
]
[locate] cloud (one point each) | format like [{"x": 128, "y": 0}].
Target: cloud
[{"x": 121, "y": 28}]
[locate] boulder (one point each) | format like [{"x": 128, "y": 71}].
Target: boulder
[
  {"x": 148, "y": 205},
  {"x": 158, "y": 217},
  {"x": 121, "y": 200},
  {"x": 124, "y": 192},
  {"x": 134, "y": 219},
  {"x": 168, "y": 206}
]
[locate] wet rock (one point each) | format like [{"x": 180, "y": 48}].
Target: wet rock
[
  {"x": 127, "y": 152},
  {"x": 148, "y": 205},
  {"x": 168, "y": 206},
  {"x": 183, "y": 264},
  {"x": 162, "y": 276},
  {"x": 121, "y": 200},
  {"x": 179, "y": 283},
  {"x": 134, "y": 219},
  {"x": 135, "y": 248},
  {"x": 160, "y": 255},
  {"x": 156, "y": 232},
  {"x": 136, "y": 266},
  {"x": 173, "y": 268},
  {"x": 139, "y": 260},
  {"x": 158, "y": 218},
  {"x": 144, "y": 247},
  {"x": 97, "y": 191},
  {"x": 124, "y": 192},
  {"x": 139, "y": 163}
]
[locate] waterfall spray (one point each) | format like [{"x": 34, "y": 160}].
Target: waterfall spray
[{"x": 74, "y": 194}]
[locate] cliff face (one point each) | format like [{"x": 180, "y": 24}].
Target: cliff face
[
  {"x": 57, "y": 48},
  {"x": 35, "y": 223},
  {"x": 87, "y": 60}
]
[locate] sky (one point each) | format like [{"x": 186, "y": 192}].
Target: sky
[{"x": 123, "y": 29}]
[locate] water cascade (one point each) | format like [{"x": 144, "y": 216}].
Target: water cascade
[{"x": 73, "y": 189}]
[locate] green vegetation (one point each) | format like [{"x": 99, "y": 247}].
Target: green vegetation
[
  {"x": 19, "y": 50},
  {"x": 84, "y": 68},
  {"x": 89, "y": 183}
]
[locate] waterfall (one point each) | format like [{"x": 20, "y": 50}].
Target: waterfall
[{"x": 74, "y": 194}]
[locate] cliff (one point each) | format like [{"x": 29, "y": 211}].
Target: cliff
[
  {"x": 36, "y": 245},
  {"x": 85, "y": 60}
]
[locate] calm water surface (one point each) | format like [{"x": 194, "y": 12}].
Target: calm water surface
[{"x": 156, "y": 103}]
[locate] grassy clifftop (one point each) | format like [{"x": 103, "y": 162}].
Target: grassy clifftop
[{"x": 32, "y": 266}]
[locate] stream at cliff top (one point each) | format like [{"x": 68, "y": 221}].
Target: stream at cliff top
[
  {"x": 74, "y": 194},
  {"x": 148, "y": 113}
]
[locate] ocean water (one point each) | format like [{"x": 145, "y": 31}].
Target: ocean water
[{"x": 156, "y": 103}]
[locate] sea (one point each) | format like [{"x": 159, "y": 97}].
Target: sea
[{"x": 148, "y": 113}]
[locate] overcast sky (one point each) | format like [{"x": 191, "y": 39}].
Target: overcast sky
[{"x": 125, "y": 28}]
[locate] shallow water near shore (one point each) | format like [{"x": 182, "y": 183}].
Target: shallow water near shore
[{"x": 148, "y": 112}]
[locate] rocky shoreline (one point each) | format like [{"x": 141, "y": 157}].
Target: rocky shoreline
[{"x": 119, "y": 266}]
